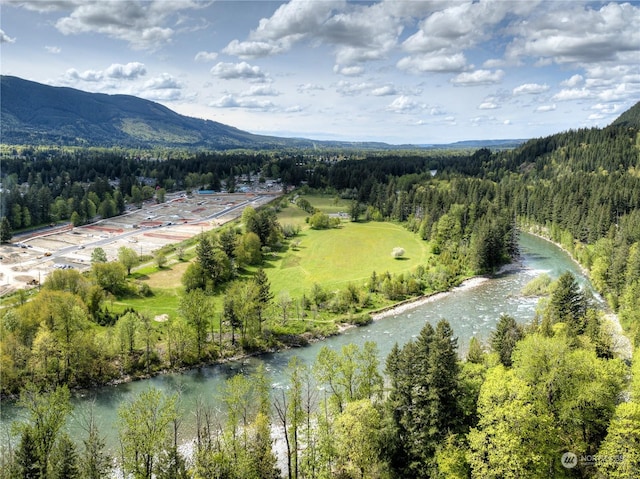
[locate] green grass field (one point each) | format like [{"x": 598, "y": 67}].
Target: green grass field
[{"x": 332, "y": 258}]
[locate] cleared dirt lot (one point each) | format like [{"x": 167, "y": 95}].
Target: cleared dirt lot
[{"x": 29, "y": 259}]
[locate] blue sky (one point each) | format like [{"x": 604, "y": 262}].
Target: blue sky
[{"x": 428, "y": 71}]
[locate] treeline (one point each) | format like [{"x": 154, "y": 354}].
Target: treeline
[
  {"x": 583, "y": 191},
  {"x": 533, "y": 393}
]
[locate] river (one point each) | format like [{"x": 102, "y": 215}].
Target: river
[{"x": 471, "y": 311}]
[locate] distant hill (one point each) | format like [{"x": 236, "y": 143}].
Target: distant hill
[
  {"x": 33, "y": 113},
  {"x": 37, "y": 114},
  {"x": 630, "y": 118},
  {"x": 472, "y": 144}
]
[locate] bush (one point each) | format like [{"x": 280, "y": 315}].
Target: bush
[{"x": 320, "y": 221}]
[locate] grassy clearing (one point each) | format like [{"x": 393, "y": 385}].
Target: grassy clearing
[
  {"x": 163, "y": 301},
  {"x": 333, "y": 258},
  {"x": 329, "y": 204}
]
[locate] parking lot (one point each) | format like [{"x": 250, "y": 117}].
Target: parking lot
[{"x": 28, "y": 259}]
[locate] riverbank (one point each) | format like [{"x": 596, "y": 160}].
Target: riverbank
[
  {"x": 414, "y": 303},
  {"x": 621, "y": 344}
]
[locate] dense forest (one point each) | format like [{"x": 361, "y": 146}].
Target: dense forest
[{"x": 511, "y": 408}]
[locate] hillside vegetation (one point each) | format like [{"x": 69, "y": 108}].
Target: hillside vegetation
[{"x": 532, "y": 400}]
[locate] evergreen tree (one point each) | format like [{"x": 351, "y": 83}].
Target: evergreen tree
[
  {"x": 568, "y": 303},
  {"x": 27, "y": 463},
  {"x": 475, "y": 354},
  {"x": 264, "y": 293},
  {"x": 5, "y": 230},
  {"x": 503, "y": 340},
  {"x": 423, "y": 403},
  {"x": 65, "y": 459},
  {"x": 95, "y": 463}
]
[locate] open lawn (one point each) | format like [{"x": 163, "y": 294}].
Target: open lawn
[
  {"x": 333, "y": 258},
  {"x": 328, "y": 204},
  {"x": 163, "y": 301}
]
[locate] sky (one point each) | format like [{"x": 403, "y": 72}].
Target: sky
[{"x": 417, "y": 72}]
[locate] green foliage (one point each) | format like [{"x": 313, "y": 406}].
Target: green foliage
[
  {"x": 422, "y": 404},
  {"x": 65, "y": 460},
  {"x": 143, "y": 430},
  {"x": 497, "y": 448},
  {"x": 5, "y": 230},
  {"x": 110, "y": 276},
  {"x": 503, "y": 341},
  {"x": 538, "y": 286},
  {"x": 47, "y": 413},
  {"x": 320, "y": 221},
  {"x": 196, "y": 308},
  {"x": 568, "y": 304},
  {"x": 619, "y": 454},
  {"x": 579, "y": 389},
  {"x": 349, "y": 375},
  {"x": 357, "y": 436},
  {"x": 98, "y": 255}
]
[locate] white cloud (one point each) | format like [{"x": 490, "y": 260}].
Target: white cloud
[
  {"x": 574, "y": 33},
  {"x": 290, "y": 23},
  {"x": 351, "y": 71},
  {"x": 4, "y": 38},
  {"x": 166, "y": 94},
  {"x": 242, "y": 70},
  {"x": 487, "y": 105},
  {"x": 260, "y": 90},
  {"x": 439, "y": 62},
  {"x": 142, "y": 24},
  {"x": 249, "y": 50},
  {"x": 163, "y": 82},
  {"x": 572, "y": 94},
  {"x": 607, "y": 108},
  {"x": 308, "y": 87},
  {"x": 204, "y": 56},
  {"x": 494, "y": 63},
  {"x": 478, "y": 77},
  {"x": 230, "y": 101},
  {"x": 385, "y": 90},
  {"x": 130, "y": 71},
  {"x": 530, "y": 89},
  {"x": 574, "y": 81},
  {"x": 449, "y": 31},
  {"x": 54, "y": 50},
  {"x": 348, "y": 88},
  {"x": 403, "y": 104},
  {"x": 87, "y": 75},
  {"x": 294, "y": 109},
  {"x": 546, "y": 108}
]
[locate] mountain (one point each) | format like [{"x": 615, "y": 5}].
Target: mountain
[
  {"x": 36, "y": 114},
  {"x": 33, "y": 113},
  {"x": 630, "y": 118}
]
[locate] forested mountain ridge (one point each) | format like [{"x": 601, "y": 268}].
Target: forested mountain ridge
[
  {"x": 38, "y": 114},
  {"x": 35, "y": 114},
  {"x": 630, "y": 118}
]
